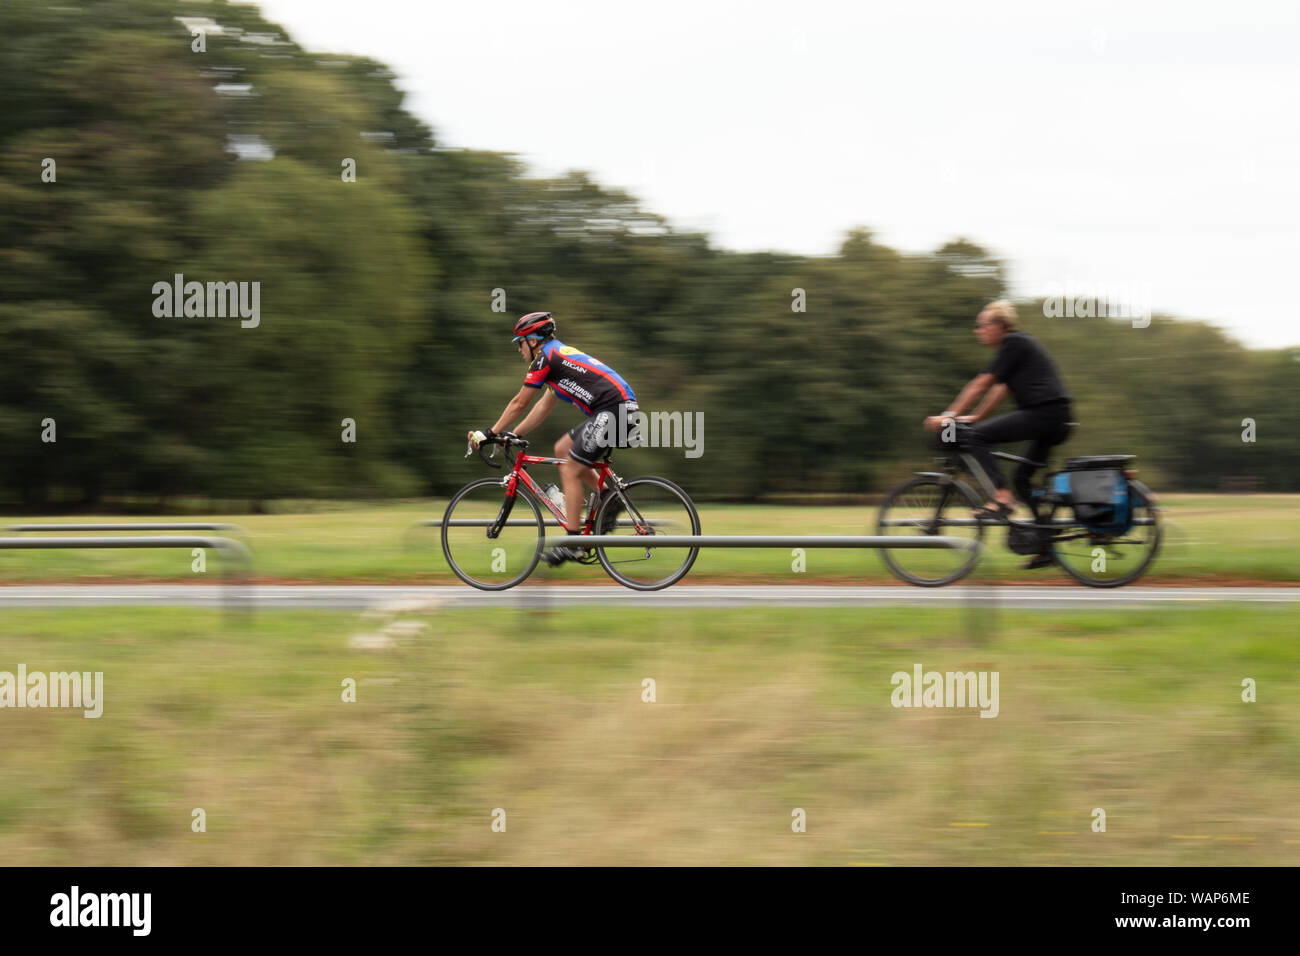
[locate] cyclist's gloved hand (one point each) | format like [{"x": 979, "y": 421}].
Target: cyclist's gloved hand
[{"x": 478, "y": 438}]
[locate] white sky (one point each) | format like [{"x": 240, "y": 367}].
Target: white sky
[{"x": 1134, "y": 148}]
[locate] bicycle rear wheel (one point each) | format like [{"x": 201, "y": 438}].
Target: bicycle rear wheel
[
  {"x": 1112, "y": 560},
  {"x": 644, "y": 507},
  {"x": 929, "y": 505},
  {"x": 492, "y": 563}
]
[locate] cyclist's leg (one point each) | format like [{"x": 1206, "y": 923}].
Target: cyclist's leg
[
  {"x": 574, "y": 473},
  {"x": 1039, "y": 447},
  {"x": 1022, "y": 477},
  {"x": 587, "y": 444},
  {"x": 583, "y": 446},
  {"x": 1044, "y": 427},
  {"x": 1013, "y": 426},
  {"x": 626, "y": 424},
  {"x": 1037, "y": 450}
]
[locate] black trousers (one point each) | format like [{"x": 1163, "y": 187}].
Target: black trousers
[{"x": 1043, "y": 427}]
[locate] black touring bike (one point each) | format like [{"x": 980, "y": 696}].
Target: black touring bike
[{"x": 1094, "y": 518}]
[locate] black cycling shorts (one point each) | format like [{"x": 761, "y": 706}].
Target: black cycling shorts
[{"x": 605, "y": 430}]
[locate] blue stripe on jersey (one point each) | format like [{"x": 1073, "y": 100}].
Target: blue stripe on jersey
[{"x": 596, "y": 365}]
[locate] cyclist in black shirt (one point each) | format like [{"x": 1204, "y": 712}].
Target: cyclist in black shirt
[{"x": 1022, "y": 367}]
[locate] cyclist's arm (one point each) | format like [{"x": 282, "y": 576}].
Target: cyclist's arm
[
  {"x": 968, "y": 394},
  {"x": 537, "y": 415},
  {"x": 992, "y": 399},
  {"x": 514, "y": 408}
]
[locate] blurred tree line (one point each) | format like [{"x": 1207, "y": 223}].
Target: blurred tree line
[{"x": 377, "y": 298}]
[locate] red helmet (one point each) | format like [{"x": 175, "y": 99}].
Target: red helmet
[{"x": 534, "y": 325}]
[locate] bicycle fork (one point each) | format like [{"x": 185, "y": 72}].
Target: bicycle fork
[
  {"x": 938, "y": 512},
  {"x": 507, "y": 506}
]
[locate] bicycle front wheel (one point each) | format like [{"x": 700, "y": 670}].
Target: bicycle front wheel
[
  {"x": 644, "y": 507},
  {"x": 930, "y": 506},
  {"x": 492, "y": 542}
]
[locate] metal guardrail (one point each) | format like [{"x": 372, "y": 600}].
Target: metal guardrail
[
  {"x": 779, "y": 541},
  {"x": 728, "y": 540},
  {"x": 133, "y": 526},
  {"x": 763, "y": 541},
  {"x": 239, "y": 553},
  {"x": 216, "y": 544},
  {"x": 551, "y": 522},
  {"x": 972, "y": 522}
]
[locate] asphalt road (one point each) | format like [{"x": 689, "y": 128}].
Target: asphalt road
[{"x": 348, "y": 597}]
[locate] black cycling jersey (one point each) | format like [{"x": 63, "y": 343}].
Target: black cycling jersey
[
  {"x": 1027, "y": 370},
  {"x": 578, "y": 378}
]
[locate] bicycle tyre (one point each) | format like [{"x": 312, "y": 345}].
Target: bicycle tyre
[
  {"x": 521, "y": 493},
  {"x": 612, "y": 500},
  {"x": 967, "y": 500},
  {"x": 1149, "y": 504}
]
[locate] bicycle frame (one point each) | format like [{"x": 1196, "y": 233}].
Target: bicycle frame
[
  {"x": 519, "y": 473},
  {"x": 1060, "y": 529},
  {"x": 967, "y": 462},
  {"x": 605, "y": 479}
]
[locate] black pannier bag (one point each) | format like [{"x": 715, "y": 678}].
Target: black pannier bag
[{"x": 1097, "y": 490}]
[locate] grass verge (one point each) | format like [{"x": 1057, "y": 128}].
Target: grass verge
[{"x": 757, "y": 712}]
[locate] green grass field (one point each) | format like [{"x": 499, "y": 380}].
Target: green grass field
[
  {"x": 757, "y": 713},
  {"x": 1225, "y": 538}
]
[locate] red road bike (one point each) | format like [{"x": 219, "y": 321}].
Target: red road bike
[{"x": 494, "y": 532}]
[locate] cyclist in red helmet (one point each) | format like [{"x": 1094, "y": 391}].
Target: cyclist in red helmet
[{"x": 593, "y": 387}]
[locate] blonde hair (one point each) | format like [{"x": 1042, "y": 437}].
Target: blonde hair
[{"x": 1004, "y": 313}]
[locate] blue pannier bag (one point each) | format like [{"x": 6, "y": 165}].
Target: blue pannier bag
[{"x": 1097, "y": 491}]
